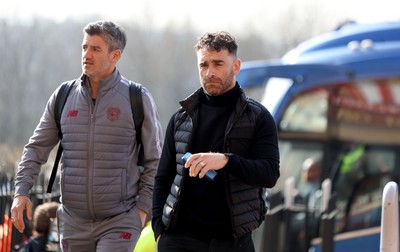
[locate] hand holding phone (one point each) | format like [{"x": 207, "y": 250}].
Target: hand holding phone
[{"x": 210, "y": 174}]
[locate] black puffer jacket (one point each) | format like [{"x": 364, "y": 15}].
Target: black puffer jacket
[{"x": 252, "y": 164}]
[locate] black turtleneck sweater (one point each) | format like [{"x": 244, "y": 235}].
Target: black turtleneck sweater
[{"x": 203, "y": 209}]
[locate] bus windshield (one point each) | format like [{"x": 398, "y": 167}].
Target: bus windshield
[{"x": 366, "y": 111}]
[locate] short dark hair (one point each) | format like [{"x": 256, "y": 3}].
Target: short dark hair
[
  {"x": 112, "y": 33},
  {"x": 43, "y": 215},
  {"x": 217, "y": 41}
]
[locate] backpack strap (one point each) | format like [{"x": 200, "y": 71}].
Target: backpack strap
[
  {"x": 58, "y": 108},
  {"x": 135, "y": 91}
]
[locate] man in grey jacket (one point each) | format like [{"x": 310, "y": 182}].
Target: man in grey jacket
[{"x": 105, "y": 197}]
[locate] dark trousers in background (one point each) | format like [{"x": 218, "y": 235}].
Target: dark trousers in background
[{"x": 175, "y": 242}]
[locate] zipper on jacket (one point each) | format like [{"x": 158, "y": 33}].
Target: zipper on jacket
[{"x": 89, "y": 184}]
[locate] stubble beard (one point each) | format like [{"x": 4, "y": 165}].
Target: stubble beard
[{"x": 215, "y": 86}]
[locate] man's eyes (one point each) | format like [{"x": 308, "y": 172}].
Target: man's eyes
[{"x": 96, "y": 49}]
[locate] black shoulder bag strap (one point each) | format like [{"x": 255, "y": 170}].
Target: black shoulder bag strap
[
  {"x": 135, "y": 91},
  {"x": 58, "y": 108}
]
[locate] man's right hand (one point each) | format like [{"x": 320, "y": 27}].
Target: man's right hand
[{"x": 19, "y": 205}]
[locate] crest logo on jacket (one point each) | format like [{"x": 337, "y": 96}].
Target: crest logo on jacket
[{"x": 113, "y": 113}]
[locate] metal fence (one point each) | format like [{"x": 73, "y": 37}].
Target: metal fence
[{"x": 9, "y": 236}]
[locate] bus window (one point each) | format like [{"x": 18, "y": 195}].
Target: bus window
[
  {"x": 380, "y": 161},
  {"x": 295, "y": 153},
  {"x": 307, "y": 112},
  {"x": 365, "y": 202},
  {"x": 363, "y": 173}
]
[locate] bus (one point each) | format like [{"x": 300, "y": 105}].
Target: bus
[{"x": 335, "y": 98}]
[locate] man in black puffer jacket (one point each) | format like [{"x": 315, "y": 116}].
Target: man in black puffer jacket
[{"x": 228, "y": 133}]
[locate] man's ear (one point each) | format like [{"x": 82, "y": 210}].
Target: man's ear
[
  {"x": 236, "y": 66},
  {"x": 116, "y": 55}
]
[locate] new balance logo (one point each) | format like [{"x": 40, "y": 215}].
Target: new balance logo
[{"x": 72, "y": 113}]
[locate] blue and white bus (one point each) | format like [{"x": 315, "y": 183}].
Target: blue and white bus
[{"x": 335, "y": 97}]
